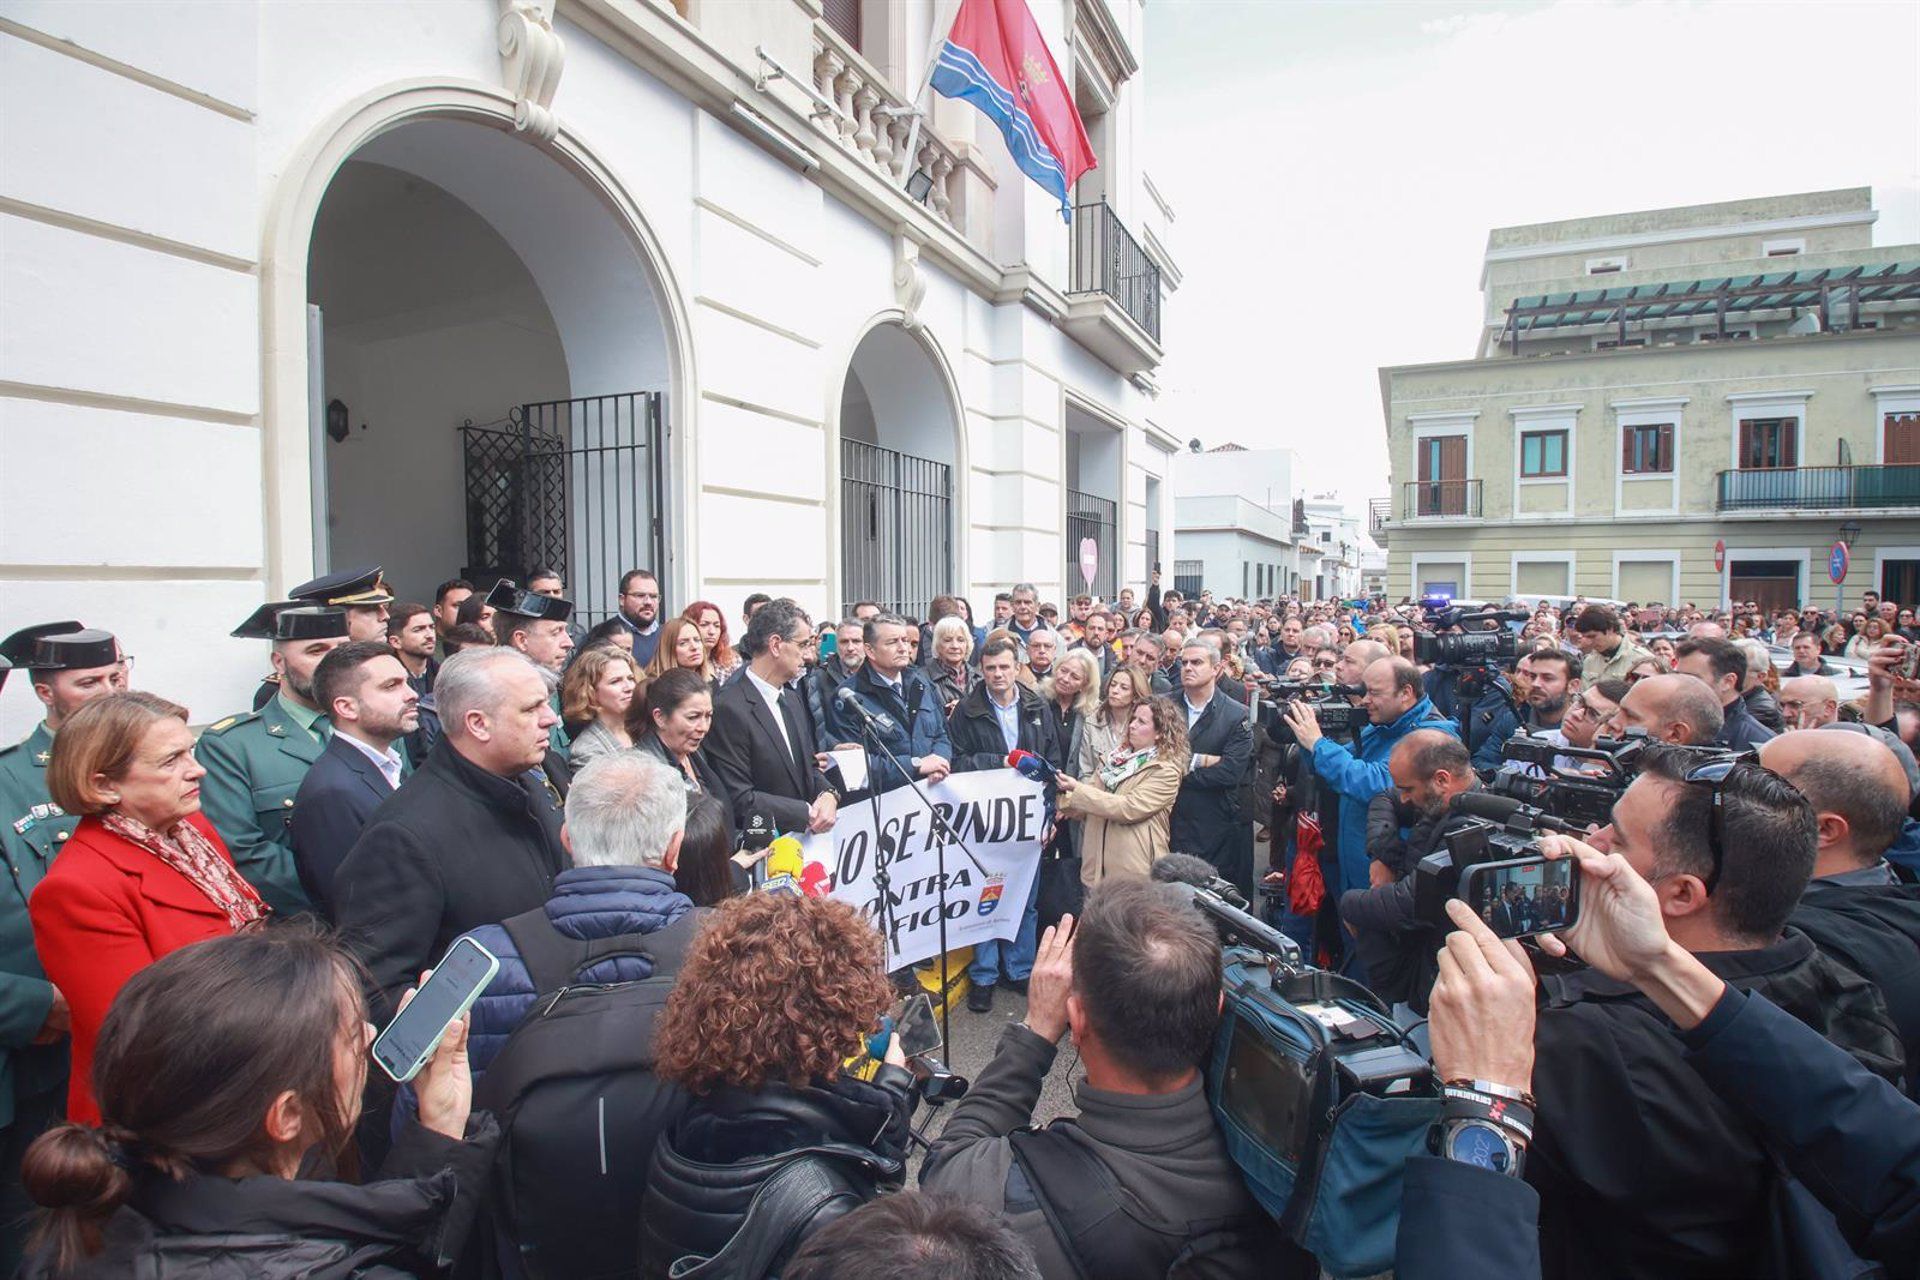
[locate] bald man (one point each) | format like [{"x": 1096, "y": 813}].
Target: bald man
[
  {"x": 1672, "y": 708},
  {"x": 1854, "y": 909},
  {"x": 1808, "y": 702}
]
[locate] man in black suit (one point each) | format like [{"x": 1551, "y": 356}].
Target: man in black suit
[
  {"x": 762, "y": 745},
  {"x": 365, "y": 691},
  {"x": 1206, "y": 817}
]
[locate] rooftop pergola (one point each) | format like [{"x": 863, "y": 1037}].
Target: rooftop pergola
[{"x": 1721, "y": 297}]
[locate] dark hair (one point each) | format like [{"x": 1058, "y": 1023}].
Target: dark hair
[
  {"x": 1596, "y": 619},
  {"x": 1614, "y": 691},
  {"x": 994, "y": 648},
  {"x": 703, "y": 872},
  {"x": 1146, "y": 967},
  {"x": 1553, "y": 655},
  {"x": 774, "y": 618},
  {"x": 1430, "y": 750},
  {"x": 192, "y": 1053},
  {"x": 1768, "y": 840},
  {"x": 1723, "y": 656},
  {"x": 466, "y": 635},
  {"x": 470, "y": 610},
  {"x": 669, "y": 691},
  {"x": 602, "y": 632},
  {"x": 340, "y": 673},
  {"x": 399, "y": 615},
  {"x": 627, "y": 578},
  {"x": 756, "y": 599},
  {"x": 884, "y": 619},
  {"x": 998, "y": 596},
  {"x": 1406, "y": 676},
  {"x": 915, "y": 1236},
  {"x": 451, "y": 585}
]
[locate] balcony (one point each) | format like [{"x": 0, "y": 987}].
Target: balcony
[
  {"x": 1440, "y": 499},
  {"x": 1113, "y": 292},
  {"x": 1379, "y": 515},
  {"x": 1877, "y": 488}
]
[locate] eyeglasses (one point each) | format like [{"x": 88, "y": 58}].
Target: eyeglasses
[
  {"x": 1326, "y": 664},
  {"x": 1714, "y": 774}
]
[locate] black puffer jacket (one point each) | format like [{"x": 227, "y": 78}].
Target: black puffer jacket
[
  {"x": 266, "y": 1228},
  {"x": 707, "y": 1170}
]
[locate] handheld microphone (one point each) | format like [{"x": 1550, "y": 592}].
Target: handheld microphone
[
  {"x": 1504, "y": 809},
  {"x": 1029, "y": 765},
  {"x": 850, "y": 701},
  {"x": 788, "y": 871}
]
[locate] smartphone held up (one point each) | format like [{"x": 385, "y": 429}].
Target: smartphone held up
[
  {"x": 1524, "y": 896},
  {"x": 410, "y": 1039}
]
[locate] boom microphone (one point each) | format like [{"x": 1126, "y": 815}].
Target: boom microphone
[
  {"x": 1503, "y": 810},
  {"x": 880, "y": 721}
]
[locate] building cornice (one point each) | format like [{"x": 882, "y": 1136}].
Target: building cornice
[
  {"x": 1094, "y": 25},
  {"x": 1676, "y": 235}
]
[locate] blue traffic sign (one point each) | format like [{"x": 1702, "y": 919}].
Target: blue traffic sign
[{"x": 1838, "y": 561}]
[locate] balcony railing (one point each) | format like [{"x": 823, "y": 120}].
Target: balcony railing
[
  {"x": 1379, "y": 512},
  {"x": 873, "y": 120},
  {"x": 1440, "y": 498},
  {"x": 1107, "y": 259},
  {"x": 1811, "y": 488}
]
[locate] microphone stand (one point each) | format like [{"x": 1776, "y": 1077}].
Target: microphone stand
[{"x": 946, "y": 832}]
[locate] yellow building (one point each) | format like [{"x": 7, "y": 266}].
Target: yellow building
[{"x": 1648, "y": 385}]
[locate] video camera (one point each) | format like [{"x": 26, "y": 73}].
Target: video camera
[
  {"x": 1579, "y": 796},
  {"x": 1499, "y": 831},
  {"x": 1338, "y": 717},
  {"x": 1485, "y": 642}
]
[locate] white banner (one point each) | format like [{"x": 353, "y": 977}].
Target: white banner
[{"x": 1000, "y": 819}]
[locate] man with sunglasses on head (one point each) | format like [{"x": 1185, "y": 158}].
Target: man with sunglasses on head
[{"x": 1642, "y": 1169}]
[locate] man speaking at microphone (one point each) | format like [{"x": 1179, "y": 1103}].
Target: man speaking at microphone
[
  {"x": 894, "y": 702},
  {"x": 997, "y": 717}
]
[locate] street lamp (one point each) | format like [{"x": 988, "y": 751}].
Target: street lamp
[{"x": 1849, "y": 531}]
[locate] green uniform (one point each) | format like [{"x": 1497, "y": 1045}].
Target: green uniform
[
  {"x": 31, "y": 829},
  {"x": 255, "y": 764}
]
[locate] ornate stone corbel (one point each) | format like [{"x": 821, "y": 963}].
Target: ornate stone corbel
[
  {"x": 532, "y": 56},
  {"x": 909, "y": 281}
]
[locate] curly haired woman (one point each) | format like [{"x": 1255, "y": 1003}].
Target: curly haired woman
[{"x": 776, "y": 994}]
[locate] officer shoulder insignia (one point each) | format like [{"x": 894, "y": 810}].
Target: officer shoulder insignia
[
  {"x": 23, "y": 825},
  {"x": 41, "y": 757},
  {"x": 222, "y": 726}
]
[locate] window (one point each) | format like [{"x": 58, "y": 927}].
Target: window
[
  {"x": 1646, "y": 449},
  {"x": 1605, "y": 266},
  {"x": 1782, "y": 248},
  {"x": 844, "y": 17},
  {"x": 1769, "y": 442},
  {"x": 1543, "y": 454}
]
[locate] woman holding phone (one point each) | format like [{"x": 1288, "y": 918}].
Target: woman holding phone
[{"x": 226, "y": 1069}]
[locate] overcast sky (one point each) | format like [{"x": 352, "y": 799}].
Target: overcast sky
[{"x": 1334, "y": 169}]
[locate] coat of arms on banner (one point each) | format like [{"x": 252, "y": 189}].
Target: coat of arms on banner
[{"x": 990, "y": 893}]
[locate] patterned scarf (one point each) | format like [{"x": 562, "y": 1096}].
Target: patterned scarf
[
  {"x": 1123, "y": 764},
  {"x": 189, "y": 852}
]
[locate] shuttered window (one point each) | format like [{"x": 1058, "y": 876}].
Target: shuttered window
[{"x": 1646, "y": 449}]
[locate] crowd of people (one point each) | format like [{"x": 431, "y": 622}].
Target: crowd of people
[{"x": 207, "y": 928}]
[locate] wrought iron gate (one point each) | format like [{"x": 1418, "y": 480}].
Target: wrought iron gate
[
  {"x": 896, "y": 527},
  {"x": 1096, "y": 518},
  {"x": 578, "y": 486}
]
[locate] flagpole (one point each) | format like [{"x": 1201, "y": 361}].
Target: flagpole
[{"x": 941, "y": 30}]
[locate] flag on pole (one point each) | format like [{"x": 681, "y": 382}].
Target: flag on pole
[{"x": 996, "y": 59}]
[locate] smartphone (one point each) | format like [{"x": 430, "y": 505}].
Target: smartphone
[
  {"x": 918, "y": 1031},
  {"x": 1524, "y": 896},
  {"x": 457, "y": 981}
]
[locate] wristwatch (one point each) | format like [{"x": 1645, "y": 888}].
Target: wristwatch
[{"x": 1482, "y": 1143}]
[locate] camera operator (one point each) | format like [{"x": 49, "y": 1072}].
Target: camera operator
[
  {"x": 1396, "y": 706},
  {"x": 1138, "y": 983},
  {"x": 1673, "y": 709},
  {"x": 1854, "y": 909},
  {"x": 1429, "y": 768},
  {"x": 1723, "y": 668},
  {"x": 1643, "y": 1171}
]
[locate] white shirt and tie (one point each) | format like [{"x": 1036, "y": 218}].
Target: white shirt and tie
[{"x": 770, "y": 694}]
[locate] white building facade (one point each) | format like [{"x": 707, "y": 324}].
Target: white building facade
[
  {"x": 1241, "y": 532},
  {"x": 464, "y": 286}
]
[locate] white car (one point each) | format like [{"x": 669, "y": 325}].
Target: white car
[{"x": 1851, "y": 680}]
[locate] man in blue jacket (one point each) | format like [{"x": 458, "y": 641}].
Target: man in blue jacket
[
  {"x": 1490, "y": 721},
  {"x": 902, "y": 709},
  {"x": 1395, "y": 707}
]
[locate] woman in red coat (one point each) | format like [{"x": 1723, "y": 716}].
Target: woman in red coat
[{"x": 143, "y": 873}]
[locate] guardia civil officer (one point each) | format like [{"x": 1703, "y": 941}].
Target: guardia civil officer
[
  {"x": 362, "y": 593},
  {"x": 535, "y": 624},
  {"x": 256, "y": 762},
  {"x": 68, "y": 665}
]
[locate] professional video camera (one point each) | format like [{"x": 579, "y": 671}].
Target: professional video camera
[
  {"x": 1495, "y": 850},
  {"x": 1583, "y": 793},
  {"x": 1484, "y": 641},
  {"x": 1338, "y": 717}
]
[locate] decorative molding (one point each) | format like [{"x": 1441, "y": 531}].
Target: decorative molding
[
  {"x": 1101, "y": 36},
  {"x": 532, "y": 56},
  {"x": 909, "y": 281}
]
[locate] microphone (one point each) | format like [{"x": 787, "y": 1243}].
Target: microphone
[
  {"x": 1185, "y": 868},
  {"x": 880, "y": 721},
  {"x": 1503, "y": 809},
  {"x": 1029, "y": 765},
  {"x": 788, "y": 871}
]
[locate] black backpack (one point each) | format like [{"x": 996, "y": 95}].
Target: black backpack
[{"x": 578, "y": 1104}]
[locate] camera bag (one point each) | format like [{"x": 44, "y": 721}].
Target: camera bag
[{"x": 1321, "y": 1097}]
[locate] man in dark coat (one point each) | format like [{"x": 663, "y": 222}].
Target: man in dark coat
[
  {"x": 902, "y": 710},
  {"x": 1680, "y": 1188},
  {"x": 371, "y": 701},
  {"x": 762, "y": 745},
  {"x": 997, "y": 716},
  {"x": 471, "y": 839},
  {"x": 1206, "y": 817}
]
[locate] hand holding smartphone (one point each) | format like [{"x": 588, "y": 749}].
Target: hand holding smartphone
[
  {"x": 448, "y": 991},
  {"x": 1524, "y": 896}
]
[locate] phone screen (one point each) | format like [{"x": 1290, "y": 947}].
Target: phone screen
[
  {"x": 1527, "y": 896},
  {"x": 409, "y": 1040},
  {"x": 918, "y": 1031}
]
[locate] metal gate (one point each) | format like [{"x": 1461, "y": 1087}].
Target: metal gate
[
  {"x": 1096, "y": 518},
  {"x": 896, "y": 527},
  {"x": 578, "y": 486}
]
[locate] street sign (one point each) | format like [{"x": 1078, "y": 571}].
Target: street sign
[
  {"x": 1838, "y": 561},
  {"x": 1089, "y": 560},
  {"x": 1719, "y": 555}
]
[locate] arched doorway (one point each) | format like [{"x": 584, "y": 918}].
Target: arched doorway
[
  {"x": 898, "y": 459},
  {"x": 488, "y": 362}
]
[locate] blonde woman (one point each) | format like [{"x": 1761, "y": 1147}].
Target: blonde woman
[
  {"x": 681, "y": 648},
  {"x": 1127, "y": 801},
  {"x": 950, "y": 664},
  {"x": 1106, "y": 729},
  {"x": 1074, "y": 690},
  {"x": 597, "y": 695}
]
